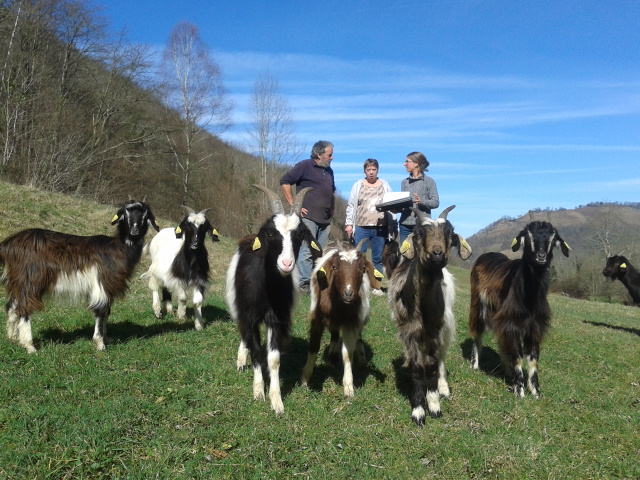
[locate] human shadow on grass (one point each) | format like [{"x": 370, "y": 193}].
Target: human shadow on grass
[
  {"x": 294, "y": 359},
  {"x": 614, "y": 327},
  {"x": 125, "y": 330}
]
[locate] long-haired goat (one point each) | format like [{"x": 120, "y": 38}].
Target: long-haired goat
[
  {"x": 510, "y": 298},
  {"x": 93, "y": 269},
  {"x": 619, "y": 268},
  {"x": 180, "y": 262},
  {"x": 421, "y": 297},
  {"x": 340, "y": 289},
  {"x": 262, "y": 286}
]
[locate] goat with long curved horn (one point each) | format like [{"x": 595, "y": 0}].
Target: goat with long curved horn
[
  {"x": 274, "y": 199},
  {"x": 446, "y": 211},
  {"x": 297, "y": 201}
]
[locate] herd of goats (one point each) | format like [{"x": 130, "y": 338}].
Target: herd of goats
[{"x": 508, "y": 297}]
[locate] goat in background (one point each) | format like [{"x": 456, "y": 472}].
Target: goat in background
[
  {"x": 94, "y": 269},
  {"x": 619, "y": 268},
  {"x": 179, "y": 262}
]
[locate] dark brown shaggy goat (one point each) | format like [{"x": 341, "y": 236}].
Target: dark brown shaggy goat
[
  {"x": 94, "y": 269},
  {"x": 510, "y": 298},
  {"x": 340, "y": 289},
  {"x": 619, "y": 268}
]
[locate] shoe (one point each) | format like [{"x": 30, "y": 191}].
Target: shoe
[
  {"x": 304, "y": 289},
  {"x": 376, "y": 291}
]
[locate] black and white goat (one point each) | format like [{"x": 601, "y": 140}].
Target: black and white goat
[
  {"x": 340, "y": 290},
  {"x": 94, "y": 269},
  {"x": 262, "y": 286},
  {"x": 510, "y": 298},
  {"x": 421, "y": 297},
  {"x": 180, "y": 262},
  {"x": 619, "y": 268}
]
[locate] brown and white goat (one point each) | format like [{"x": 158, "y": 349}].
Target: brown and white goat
[
  {"x": 262, "y": 287},
  {"x": 340, "y": 290},
  {"x": 421, "y": 297},
  {"x": 94, "y": 269},
  {"x": 619, "y": 268},
  {"x": 510, "y": 298}
]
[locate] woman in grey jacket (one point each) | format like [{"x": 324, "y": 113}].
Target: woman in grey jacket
[{"x": 424, "y": 192}]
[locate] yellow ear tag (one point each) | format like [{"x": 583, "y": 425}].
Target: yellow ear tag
[
  {"x": 314, "y": 246},
  {"x": 322, "y": 273},
  {"x": 377, "y": 274},
  {"x": 256, "y": 244},
  {"x": 178, "y": 229},
  {"x": 515, "y": 240},
  {"x": 215, "y": 232},
  {"x": 466, "y": 245},
  {"x": 567, "y": 245},
  {"x": 405, "y": 246},
  {"x": 115, "y": 217},
  {"x": 623, "y": 265}
]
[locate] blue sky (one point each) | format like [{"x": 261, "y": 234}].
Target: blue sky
[{"x": 518, "y": 105}]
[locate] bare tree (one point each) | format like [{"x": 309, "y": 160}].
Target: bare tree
[
  {"x": 193, "y": 91},
  {"x": 272, "y": 133}
]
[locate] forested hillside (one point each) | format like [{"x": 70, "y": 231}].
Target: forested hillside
[{"x": 87, "y": 117}]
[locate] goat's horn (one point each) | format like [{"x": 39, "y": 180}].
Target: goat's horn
[
  {"x": 446, "y": 211},
  {"x": 188, "y": 209},
  {"x": 297, "y": 202},
  {"x": 204, "y": 212},
  {"x": 276, "y": 203},
  {"x": 361, "y": 243},
  {"x": 420, "y": 214}
]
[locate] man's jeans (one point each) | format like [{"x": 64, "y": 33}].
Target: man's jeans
[{"x": 305, "y": 260}]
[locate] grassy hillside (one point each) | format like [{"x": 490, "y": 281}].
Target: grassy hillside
[{"x": 165, "y": 401}]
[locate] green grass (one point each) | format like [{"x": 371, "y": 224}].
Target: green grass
[{"x": 165, "y": 401}]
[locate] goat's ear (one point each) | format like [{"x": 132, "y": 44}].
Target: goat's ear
[
  {"x": 564, "y": 246},
  {"x": 178, "y": 232},
  {"x": 152, "y": 221},
  {"x": 118, "y": 216},
  {"x": 406, "y": 249},
  {"x": 375, "y": 277},
  {"x": 517, "y": 242},
  {"x": 257, "y": 246},
  {"x": 314, "y": 247},
  {"x": 464, "y": 249},
  {"x": 214, "y": 235},
  {"x": 321, "y": 277}
]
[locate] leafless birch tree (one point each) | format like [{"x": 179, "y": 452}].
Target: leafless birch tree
[
  {"x": 193, "y": 91},
  {"x": 272, "y": 133}
]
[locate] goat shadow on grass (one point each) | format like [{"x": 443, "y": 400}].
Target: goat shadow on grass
[
  {"x": 325, "y": 367},
  {"x": 123, "y": 331},
  {"x": 490, "y": 360},
  {"x": 614, "y": 327}
]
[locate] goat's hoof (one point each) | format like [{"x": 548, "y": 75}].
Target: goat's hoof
[
  {"x": 30, "y": 349},
  {"x": 435, "y": 413},
  {"x": 199, "y": 327},
  {"x": 417, "y": 416},
  {"x": 258, "y": 394},
  {"x": 277, "y": 405},
  {"x": 348, "y": 392}
]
